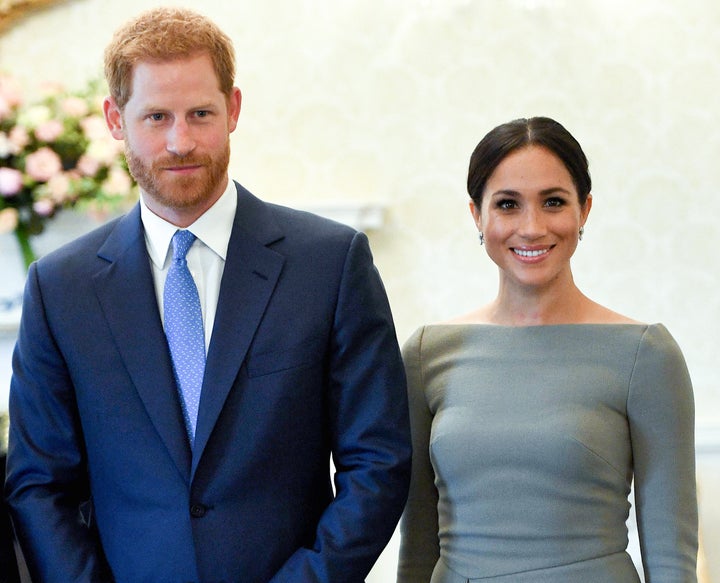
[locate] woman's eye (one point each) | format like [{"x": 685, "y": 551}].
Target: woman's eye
[
  {"x": 506, "y": 204},
  {"x": 554, "y": 202}
]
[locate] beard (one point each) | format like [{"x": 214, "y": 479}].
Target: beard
[{"x": 180, "y": 192}]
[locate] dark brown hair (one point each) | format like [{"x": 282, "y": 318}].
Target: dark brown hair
[{"x": 520, "y": 133}]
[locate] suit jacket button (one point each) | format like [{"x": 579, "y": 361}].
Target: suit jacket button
[{"x": 198, "y": 510}]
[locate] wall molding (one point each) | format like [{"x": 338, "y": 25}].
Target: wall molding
[
  {"x": 707, "y": 438},
  {"x": 359, "y": 215}
]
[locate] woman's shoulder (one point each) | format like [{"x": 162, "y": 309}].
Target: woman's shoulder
[
  {"x": 591, "y": 313},
  {"x": 654, "y": 337},
  {"x": 439, "y": 336},
  {"x": 480, "y": 316},
  {"x": 595, "y": 313}
]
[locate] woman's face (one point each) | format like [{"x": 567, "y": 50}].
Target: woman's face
[{"x": 531, "y": 218}]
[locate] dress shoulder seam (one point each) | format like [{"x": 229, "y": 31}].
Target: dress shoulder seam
[{"x": 631, "y": 378}]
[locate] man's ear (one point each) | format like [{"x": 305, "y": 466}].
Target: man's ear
[
  {"x": 113, "y": 118},
  {"x": 234, "y": 105}
]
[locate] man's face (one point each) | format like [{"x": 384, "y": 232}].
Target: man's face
[{"x": 176, "y": 126}]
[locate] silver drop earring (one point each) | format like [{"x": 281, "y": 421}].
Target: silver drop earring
[
  {"x": 482, "y": 238},
  {"x": 581, "y": 232}
]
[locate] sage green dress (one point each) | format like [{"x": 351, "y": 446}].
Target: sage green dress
[{"x": 526, "y": 441}]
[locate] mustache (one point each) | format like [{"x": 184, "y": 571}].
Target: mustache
[{"x": 182, "y": 161}]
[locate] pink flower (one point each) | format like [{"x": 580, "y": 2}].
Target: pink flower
[
  {"x": 10, "y": 91},
  {"x": 5, "y": 109},
  {"x": 44, "y": 207},
  {"x": 13, "y": 143},
  {"x": 58, "y": 187},
  {"x": 49, "y": 131},
  {"x": 94, "y": 127},
  {"x": 8, "y": 220},
  {"x": 6, "y": 148},
  {"x": 88, "y": 165},
  {"x": 105, "y": 150},
  {"x": 10, "y": 96},
  {"x": 10, "y": 181},
  {"x": 43, "y": 164},
  {"x": 19, "y": 138},
  {"x": 74, "y": 106},
  {"x": 118, "y": 181}
]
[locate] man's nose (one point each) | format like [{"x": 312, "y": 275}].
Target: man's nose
[{"x": 180, "y": 140}]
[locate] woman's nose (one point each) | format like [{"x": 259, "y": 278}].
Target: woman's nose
[{"x": 532, "y": 224}]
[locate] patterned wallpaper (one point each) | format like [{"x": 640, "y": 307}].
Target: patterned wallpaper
[
  {"x": 383, "y": 101},
  {"x": 367, "y": 100}
]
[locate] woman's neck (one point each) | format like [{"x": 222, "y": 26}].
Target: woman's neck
[
  {"x": 570, "y": 306},
  {"x": 536, "y": 310}
]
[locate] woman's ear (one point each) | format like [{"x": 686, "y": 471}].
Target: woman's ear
[
  {"x": 586, "y": 208},
  {"x": 475, "y": 212}
]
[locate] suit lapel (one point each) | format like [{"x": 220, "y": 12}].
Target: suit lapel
[
  {"x": 249, "y": 278},
  {"x": 126, "y": 292}
]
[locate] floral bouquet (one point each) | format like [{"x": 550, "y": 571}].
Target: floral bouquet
[{"x": 56, "y": 153}]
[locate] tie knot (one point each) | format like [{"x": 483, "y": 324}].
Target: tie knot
[{"x": 181, "y": 242}]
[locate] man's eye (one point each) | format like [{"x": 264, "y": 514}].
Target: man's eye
[{"x": 157, "y": 116}]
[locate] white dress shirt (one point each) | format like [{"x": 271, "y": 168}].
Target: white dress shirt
[{"x": 206, "y": 257}]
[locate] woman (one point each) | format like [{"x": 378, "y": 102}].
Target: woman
[{"x": 532, "y": 415}]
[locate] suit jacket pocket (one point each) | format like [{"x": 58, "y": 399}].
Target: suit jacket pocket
[{"x": 285, "y": 356}]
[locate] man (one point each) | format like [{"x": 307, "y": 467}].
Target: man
[
  {"x": 127, "y": 463},
  {"x": 8, "y": 565}
]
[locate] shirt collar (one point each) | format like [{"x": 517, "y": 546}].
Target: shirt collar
[{"x": 213, "y": 227}]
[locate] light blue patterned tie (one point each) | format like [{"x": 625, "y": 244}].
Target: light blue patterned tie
[{"x": 184, "y": 329}]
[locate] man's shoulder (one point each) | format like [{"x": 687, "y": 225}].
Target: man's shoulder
[
  {"x": 293, "y": 222},
  {"x": 312, "y": 221},
  {"x": 81, "y": 250}
]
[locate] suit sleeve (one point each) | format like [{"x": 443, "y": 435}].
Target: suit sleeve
[
  {"x": 47, "y": 485},
  {"x": 368, "y": 422},
  {"x": 419, "y": 545},
  {"x": 661, "y": 414}
]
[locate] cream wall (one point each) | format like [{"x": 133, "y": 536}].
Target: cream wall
[{"x": 382, "y": 101}]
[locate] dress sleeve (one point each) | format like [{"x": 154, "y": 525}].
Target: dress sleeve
[
  {"x": 419, "y": 546},
  {"x": 661, "y": 414}
]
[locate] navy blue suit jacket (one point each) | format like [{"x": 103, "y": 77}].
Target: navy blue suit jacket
[{"x": 303, "y": 363}]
